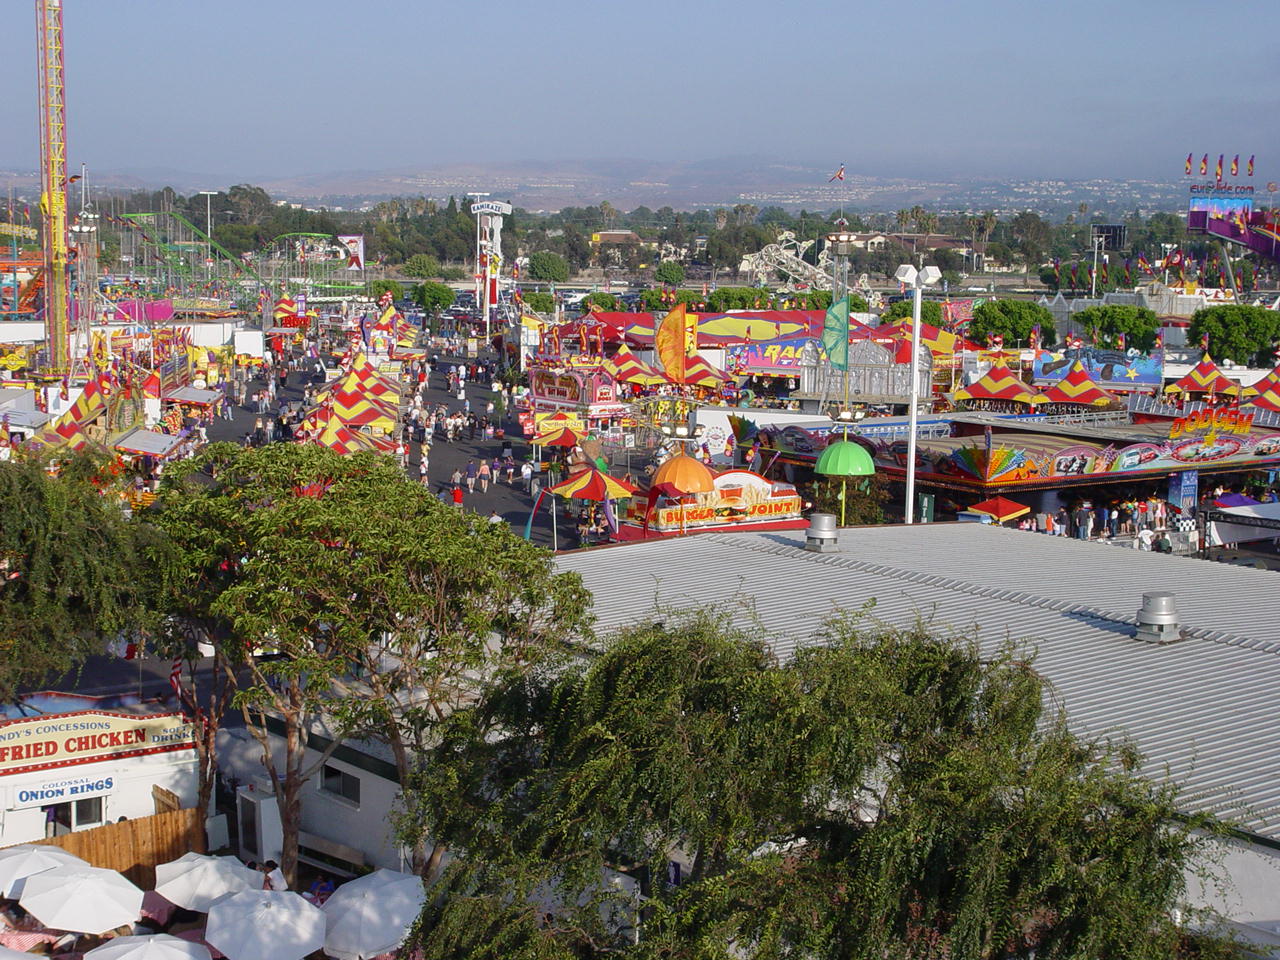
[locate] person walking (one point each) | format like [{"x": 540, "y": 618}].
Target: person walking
[
  {"x": 509, "y": 465},
  {"x": 472, "y": 473},
  {"x": 422, "y": 472},
  {"x": 526, "y": 476},
  {"x": 483, "y": 474}
]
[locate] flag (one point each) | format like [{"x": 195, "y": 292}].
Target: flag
[
  {"x": 1034, "y": 339},
  {"x": 1250, "y": 167},
  {"x": 1104, "y": 273},
  {"x": 1218, "y": 168},
  {"x": 1204, "y": 165},
  {"x": 835, "y": 334},
  {"x": 1145, "y": 264},
  {"x": 1188, "y": 169},
  {"x": 1128, "y": 273},
  {"x": 1204, "y": 343},
  {"x": 838, "y": 175},
  {"x": 26, "y": 212},
  {"x": 1119, "y": 341},
  {"x": 1075, "y": 274},
  {"x": 175, "y": 678},
  {"x": 670, "y": 343},
  {"x": 1057, "y": 272},
  {"x": 1235, "y": 165}
]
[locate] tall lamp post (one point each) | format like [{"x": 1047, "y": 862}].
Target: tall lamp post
[
  {"x": 917, "y": 280},
  {"x": 208, "y": 229}
]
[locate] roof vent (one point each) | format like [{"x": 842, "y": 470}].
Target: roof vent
[
  {"x": 821, "y": 535},
  {"x": 1158, "y": 618}
]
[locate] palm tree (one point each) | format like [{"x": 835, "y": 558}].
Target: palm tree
[{"x": 903, "y": 218}]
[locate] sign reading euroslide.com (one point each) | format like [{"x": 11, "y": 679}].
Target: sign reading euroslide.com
[{"x": 42, "y": 743}]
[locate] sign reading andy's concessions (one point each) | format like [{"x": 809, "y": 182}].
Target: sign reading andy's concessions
[{"x": 59, "y": 740}]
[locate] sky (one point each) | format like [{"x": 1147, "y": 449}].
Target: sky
[{"x": 945, "y": 89}]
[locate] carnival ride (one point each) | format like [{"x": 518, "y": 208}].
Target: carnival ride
[
  {"x": 1254, "y": 231},
  {"x": 53, "y": 179},
  {"x": 785, "y": 257}
]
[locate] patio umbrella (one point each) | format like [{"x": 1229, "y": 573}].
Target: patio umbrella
[
  {"x": 681, "y": 474},
  {"x": 1000, "y": 508},
  {"x": 558, "y": 437},
  {"x": 158, "y": 947},
  {"x": 18, "y": 863},
  {"x": 195, "y": 880},
  {"x": 81, "y": 899},
  {"x": 845, "y": 459},
  {"x": 264, "y": 925},
  {"x": 371, "y": 915},
  {"x": 593, "y": 484}
]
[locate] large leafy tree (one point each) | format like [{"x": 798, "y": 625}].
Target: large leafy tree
[
  {"x": 349, "y": 599},
  {"x": 885, "y": 794},
  {"x": 433, "y": 297},
  {"x": 548, "y": 267},
  {"x": 1247, "y": 335},
  {"x": 669, "y": 272},
  {"x": 1011, "y": 319},
  {"x": 422, "y": 265},
  {"x": 1139, "y": 325},
  {"x": 73, "y": 568}
]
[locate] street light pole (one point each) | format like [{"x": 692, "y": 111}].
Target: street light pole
[
  {"x": 918, "y": 280},
  {"x": 208, "y": 229}
]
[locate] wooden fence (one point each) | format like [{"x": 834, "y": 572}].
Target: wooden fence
[{"x": 134, "y": 847}]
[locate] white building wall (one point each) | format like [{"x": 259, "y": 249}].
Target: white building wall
[{"x": 129, "y": 794}]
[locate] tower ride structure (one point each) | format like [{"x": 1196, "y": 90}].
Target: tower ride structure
[{"x": 53, "y": 177}]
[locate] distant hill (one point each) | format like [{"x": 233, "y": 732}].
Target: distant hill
[{"x": 628, "y": 183}]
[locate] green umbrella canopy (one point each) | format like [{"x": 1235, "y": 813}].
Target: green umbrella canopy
[{"x": 844, "y": 458}]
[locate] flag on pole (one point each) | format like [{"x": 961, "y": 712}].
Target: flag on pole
[
  {"x": 835, "y": 334},
  {"x": 175, "y": 678},
  {"x": 838, "y": 175},
  {"x": 1188, "y": 169},
  {"x": 1235, "y": 165},
  {"x": 1145, "y": 264},
  {"x": 1204, "y": 165},
  {"x": 1218, "y": 168},
  {"x": 1250, "y": 167}
]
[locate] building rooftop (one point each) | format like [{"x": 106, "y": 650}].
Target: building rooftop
[{"x": 1202, "y": 710}]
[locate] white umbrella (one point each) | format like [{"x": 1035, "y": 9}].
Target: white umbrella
[
  {"x": 264, "y": 925},
  {"x": 81, "y": 899},
  {"x": 158, "y": 947},
  {"x": 195, "y": 880},
  {"x": 372, "y": 915},
  {"x": 18, "y": 863}
]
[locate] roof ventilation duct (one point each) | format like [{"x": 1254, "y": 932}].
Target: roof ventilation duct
[
  {"x": 1158, "y": 618},
  {"x": 821, "y": 535}
]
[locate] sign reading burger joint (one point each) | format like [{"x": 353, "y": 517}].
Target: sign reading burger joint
[
  {"x": 740, "y": 496},
  {"x": 60, "y": 740}
]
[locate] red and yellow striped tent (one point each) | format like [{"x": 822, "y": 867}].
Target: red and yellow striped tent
[
  {"x": 1268, "y": 383},
  {"x": 699, "y": 373},
  {"x": 1205, "y": 378},
  {"x": 68, "y": 429},
  {"x": 625, "y": 367},
  {"x": 1078, "y": 387},
  {"x": 940, "y": 342},
  {"x": 1270, "y": 400},
  {"x": 1000, "y": 383}
]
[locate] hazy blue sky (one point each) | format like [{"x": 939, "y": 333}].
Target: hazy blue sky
[{"x": 256, "y": 88}]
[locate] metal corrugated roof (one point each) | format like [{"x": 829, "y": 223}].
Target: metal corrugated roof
[{"x": 1202, "y": 710}]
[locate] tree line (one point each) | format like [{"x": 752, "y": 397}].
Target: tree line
[{"x": 888, "y": 791}]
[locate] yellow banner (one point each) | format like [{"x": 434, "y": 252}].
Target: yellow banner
[
  {"x": 570, "y": 420},
  {"x": 17, "y": 230},
  {"x": 62, "y": 740}
]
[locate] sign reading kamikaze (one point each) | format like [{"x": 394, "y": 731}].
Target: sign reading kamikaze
[{"x": 41, "y": 743}]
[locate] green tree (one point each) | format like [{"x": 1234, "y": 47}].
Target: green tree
[
  {"x": 433, "y": 297},
  {"x": 73, "y": 570},
  {"x": 453, "y": 274},
  {"x": 1011, "y": 319},
  {"x": 376, "y": 288},
  {"x": 548, "y": 267},
  {"x": 889, "y": 782},
  {"x": 603, "y": 301},
  {"x": 1138, "y": 324},
  {"x": 539, "y": 302},
  {"x": 669, "y": 273},
  {"x": 930, "y": 312},
  {"x": 422, "y": 265},
  {"x": 1246, "y": 335}
]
